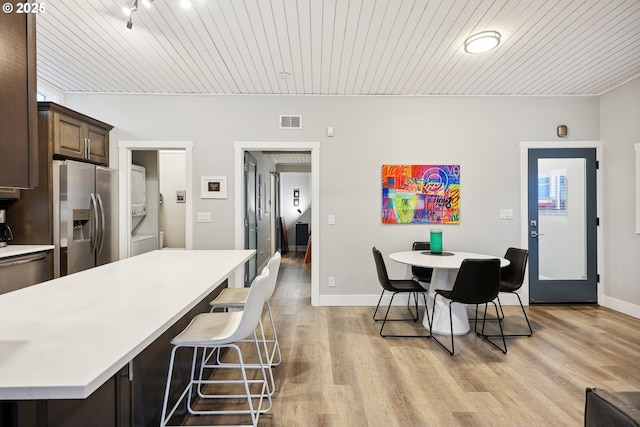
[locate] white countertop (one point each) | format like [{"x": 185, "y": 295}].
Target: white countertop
[
  {"x": 14, "y": 250},
  {"x": 64, "y": 338}
]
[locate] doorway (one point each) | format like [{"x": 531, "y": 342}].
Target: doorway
[
  {"x": 125, "y": 149},
  {"x": 560, "y": 221},
  {"x": 240, "y": 147}
]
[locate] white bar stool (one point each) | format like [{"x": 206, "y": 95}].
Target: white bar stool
[
  {"x": 223, "y": 330},
  {"x": 231, "y": 298}
]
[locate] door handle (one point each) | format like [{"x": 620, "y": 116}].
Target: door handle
[
  {"x": 101, "y": 228},
  {"x": 535, "y": 234},
  {"x": 94, "y": 228},
  {"x": 22, "y": 261}
]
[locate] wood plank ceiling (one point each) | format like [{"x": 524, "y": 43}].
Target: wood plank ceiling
[{"x": 339, "y": 47}]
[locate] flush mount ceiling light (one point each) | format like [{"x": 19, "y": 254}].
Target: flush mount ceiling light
[
  {"x": 482, "y": 42},
  {"x": 283, "y": 75}
]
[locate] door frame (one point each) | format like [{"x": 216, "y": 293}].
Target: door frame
[
  {"x": 250, "y": 275},
  {"x": 525, "y": 146},
  {"x": 124, "y": 187},
  {"x": 314, "y": 146}
]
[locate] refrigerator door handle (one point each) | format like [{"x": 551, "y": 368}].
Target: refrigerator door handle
[
  {"x": 96, "y": 225},
  {"x": 102, "y": 223}
]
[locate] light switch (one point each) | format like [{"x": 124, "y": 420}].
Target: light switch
[
  {"x": 506, "y": 213},
  {"x": 332, "y": 219},
  {"x": 204, "y": 216},
  {"x": 330, "y": 131}
]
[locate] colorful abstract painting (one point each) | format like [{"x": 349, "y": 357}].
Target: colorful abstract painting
[{"x": 421, "y": 194}]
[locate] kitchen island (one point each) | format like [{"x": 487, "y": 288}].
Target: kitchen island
[{"x": 84, "y": 336}]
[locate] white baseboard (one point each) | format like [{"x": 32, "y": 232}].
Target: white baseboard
[
  {"x": 372, "y": 300},
  {"x": 621, "y": 306},
  {"x": 506, "y": 299},
  {"x": 361, "y": 300}
]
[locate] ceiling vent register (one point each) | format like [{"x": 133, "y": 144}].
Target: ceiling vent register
[{"x": 290, "y": 122}]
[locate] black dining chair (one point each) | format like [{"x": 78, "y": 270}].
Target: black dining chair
[
  {"x": 397, "y": 286},
  {"x": 476, "y": 283},
  {"x": 422, "y": 274},
  {"x": 511, "y": 279}
]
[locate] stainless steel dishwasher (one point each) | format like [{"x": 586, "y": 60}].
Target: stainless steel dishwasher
[{"x": 20, "y": 271}]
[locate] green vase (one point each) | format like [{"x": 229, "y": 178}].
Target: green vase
[{"x": 436, "y": 241}]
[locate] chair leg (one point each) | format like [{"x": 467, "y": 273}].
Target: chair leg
[
  {"x": 523, "y": 312},
  {"x": 432, "y": 335},
  {"x": 378, "y": 306},
  {"x": 525, "y": 318},
  {"x": 426, "y": 312},
  {"x": 385, "y": 320},
  {"x": 487, "y": 337},
  {"x": 263, "y": 382},
  {"x": 276, "y": 346},
  {"x": 264, "y": 364},
  {"x": 164, "y": 416},
  {"x": 491, "y": 319},
  {"x": 501, "y": 310},
  {"x": 415, "y": 317}
]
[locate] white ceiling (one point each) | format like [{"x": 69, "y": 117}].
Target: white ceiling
[
  {"x": 290, "y": 158},
  {"x": 343, "y": 47}
]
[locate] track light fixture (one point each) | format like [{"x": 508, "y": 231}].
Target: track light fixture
[
  {"x": 128, "y": 11},
  {"x": 131, "y": 6}
]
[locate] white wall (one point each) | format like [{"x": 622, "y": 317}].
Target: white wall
[
  {"x": 620, "y": 130},
  {"x": 481, "y": 134},
  {"x": 172, "y": 214},
  {"x": 288, "y": 182}
]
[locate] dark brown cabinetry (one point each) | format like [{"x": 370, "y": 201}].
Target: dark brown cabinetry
[
  {"x": 21, "y": 271},
  {"x": 59, "y": 128},
  {"x": 74, "y": 135},
  {"x": 18, "y": 107}
]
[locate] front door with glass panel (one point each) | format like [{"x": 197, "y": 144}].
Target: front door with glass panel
[{"x": 562, "y": 225}]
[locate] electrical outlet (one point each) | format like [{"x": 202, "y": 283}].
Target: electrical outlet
[
  {"x": 331, "y": 219},
  {"x": 332, "y": 282}
]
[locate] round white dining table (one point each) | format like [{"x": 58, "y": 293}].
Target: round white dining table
[{"x": 445, "y": 269}]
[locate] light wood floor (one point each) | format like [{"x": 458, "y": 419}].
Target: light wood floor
[{"x": 337, "y": 370}]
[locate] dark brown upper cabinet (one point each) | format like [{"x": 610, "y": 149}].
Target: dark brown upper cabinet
[
  {"x": 18, "y": 103},
  {"x": 73, "y": 135}
]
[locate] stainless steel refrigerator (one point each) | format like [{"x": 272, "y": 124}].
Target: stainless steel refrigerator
[{"x": 85, "y": 232}]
